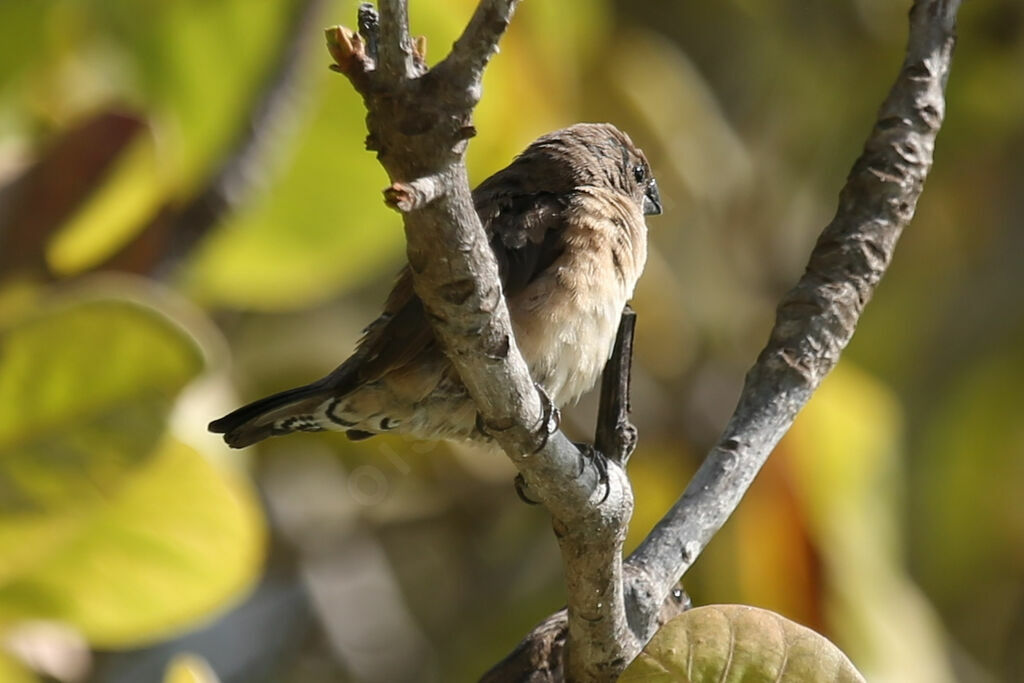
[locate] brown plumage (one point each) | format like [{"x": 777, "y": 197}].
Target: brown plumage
[{"x": 566, "y": 223}]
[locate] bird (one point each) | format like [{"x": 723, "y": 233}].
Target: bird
[{"x": 566, "y": 221}]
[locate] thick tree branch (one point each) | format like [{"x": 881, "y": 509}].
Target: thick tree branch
[
  {"x": 816, "y": 319},
  {"x": 419, "y": 122},
  {"x": 600, "y": 639}
]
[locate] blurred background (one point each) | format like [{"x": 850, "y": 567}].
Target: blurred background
[{"x": 188, "y": 220}]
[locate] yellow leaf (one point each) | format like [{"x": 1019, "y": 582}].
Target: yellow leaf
[{"x": 177, "y": 541}]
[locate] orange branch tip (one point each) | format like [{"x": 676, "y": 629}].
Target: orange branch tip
[
  {"x": 420, "y": 48},
  {"x": 348, "y": 50}
]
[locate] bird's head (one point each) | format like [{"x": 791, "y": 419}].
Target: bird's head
[{"x": 596, "y": 154}]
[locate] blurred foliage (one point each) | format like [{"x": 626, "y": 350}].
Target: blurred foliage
[
  {"x": 739, "y": 643},
  {"x": 106, "y": 524},
  {"x": 189, "y": 669},
  {"x": 13, "y": 671},
  {"x": 77, "y": 415},
  {"x": 172, "y": 545},
  {"x": 890, "y": 519}
]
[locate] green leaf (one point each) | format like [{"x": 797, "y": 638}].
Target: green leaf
[
  {"x": 725, "y": 643},
  {"x": 105, "y": 524},
  {"x": 186, "y": 62},
  {"x": 177, "y": 541},
  {"x": 84, "y": 390},
  {"x": 321, "y": 228}
]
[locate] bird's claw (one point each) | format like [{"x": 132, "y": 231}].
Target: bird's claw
[
  {"x": 588, "y": 452},
  {"x": 521, "y": 487},
  {"x": 550, "y": 420}
]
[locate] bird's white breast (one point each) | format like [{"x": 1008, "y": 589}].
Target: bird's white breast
[{"x": 566, "y": 320}]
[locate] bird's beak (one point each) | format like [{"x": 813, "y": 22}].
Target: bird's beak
[{"x": 652, "y": 200}]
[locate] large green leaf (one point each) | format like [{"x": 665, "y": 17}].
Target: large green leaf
[
  {"x": 176, "y": 541},
  {"x": 725, "y": 643},
  {"x": 105, "y": 523},
  {"x": 84, "y": 392}
]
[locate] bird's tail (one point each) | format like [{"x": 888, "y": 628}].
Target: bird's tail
[{"x": 288, "y": 411}]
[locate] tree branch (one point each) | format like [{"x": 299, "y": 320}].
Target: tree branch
[
  {"x": 539, "y": 657},
  {"x": 615, "y": 435},
  {"x": 815, "y": 321},
  {"x": 477, "y": 44},
  {"x": 600, "y": 636},
  {"x": 592, "y": 563},
  {"x": 419, "y": 122},
  {"x": 395, "y": 51}
]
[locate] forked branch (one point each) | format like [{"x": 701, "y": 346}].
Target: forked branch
[{"x": 815, "y": 321}]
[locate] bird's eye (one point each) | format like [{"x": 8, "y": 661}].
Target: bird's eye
[{"x": 639, "y": 173}]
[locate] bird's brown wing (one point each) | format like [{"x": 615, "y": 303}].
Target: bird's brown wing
[
  {"x": 397, "y": 337},
  {"x": 525, "y": 230},
  {"x": 526, "y": 234}
]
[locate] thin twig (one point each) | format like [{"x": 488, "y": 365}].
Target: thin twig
[
  {"x": 615, "y": 435},
  {"x": 369, "y": 28}
]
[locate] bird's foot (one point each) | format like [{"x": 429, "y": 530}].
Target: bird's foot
[
  {"x": 600, "y": 461},
  {"x": 550, "y": 420}
]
